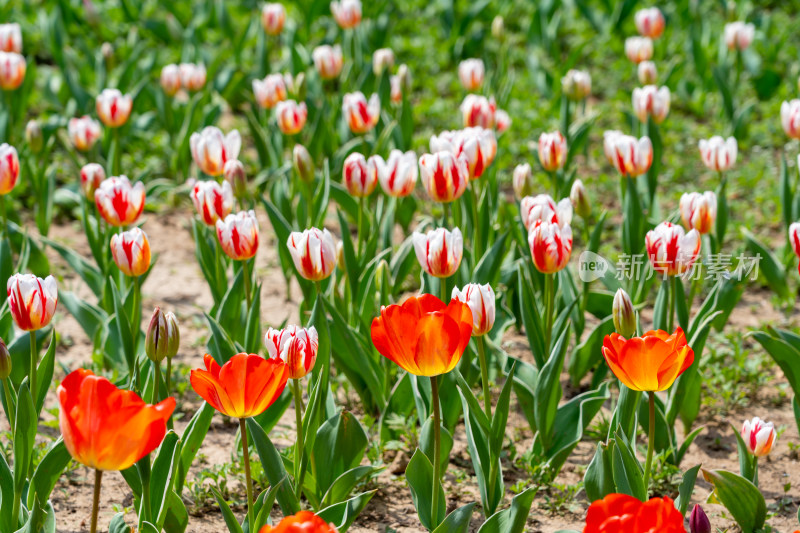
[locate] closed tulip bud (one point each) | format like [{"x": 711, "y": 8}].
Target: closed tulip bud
[
  {"x": 328, "y": 61},
  {"x": 361, "y": 115},
  {"x": 119, "y": 202},
  {"x": 471, "y": 73},
  {"x": 542, "y": 208},
  {"x": 303, "y": 164},
  {"x": 576, "y": 84},
  {"x": 193, "y": 76},
  {"x": 672, "y": 251},
  {"x": 360, "y": 178},
  {"x": 113, "y": 107},
  {"x": 624, "y": 315},
  {"x": 502, "y": 121},
  {"x": 522, "y": 180},
  {"x": 698, "y": 521},
  {"x": 647, "y": 72},
  {"x": 579, "y": 199},
  {"x": 649, "y": 22},
  {"x": 291, "y": 116},
  {"x": 173, "y": 335},
  {"x": 156, "y": 344},
  {"x": 498, "y": 28},
  {"x": 398, "y": 174},
  {"x": 738, "y": 35},
  {"x": 33, "y": 136},
  {"x": 552, "y": 151},
  {"x": 346, "y": 13},
  {"x": 11, "y": 38},
  {"x": 131, "y": 252},
  {"x": 211, "y": 149},
  {"x": 273, "y": 17},
  {"x": 235, "y": 175},
  {"x": 629, "y": 155},
  {"x": 5, "y": 361},
  {"x": 382, "y": 60},
  {"x": 170, "y": 79},
  {"x": 271, "y": 90},
  {"x": 439, "y": 251},
  {"x": 651, "y": 101},
  {"x": 550, "y": 245},
  {"x": 31, "y": 300},
  {"x": 12, "y": 70},
  {"x": 639, "y": 49},
  {"x": 238, "y": 235},
  {"x": 790, "y": 118},
  {"x": 444, "y": 176},
  {"x": 295, "y": 346},
  {"x": 313, "y": 252},
  {"x": 92, "y": 175},
  {"x": 83, "y": 132},
  {"x": 9, "y": 168},
  {"x": 480, "y": 299},
  {"x": 759, "y": 436},
  {"x": 478, "y": 110},
  {"x": 699, "y": 211}
]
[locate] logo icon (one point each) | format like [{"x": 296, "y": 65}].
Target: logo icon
[{"x": 591, "y": 266}]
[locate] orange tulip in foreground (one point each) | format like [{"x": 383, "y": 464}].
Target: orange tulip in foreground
[
  {"x": 619, "y": 513},
  {"x": 302, "y": 522}
]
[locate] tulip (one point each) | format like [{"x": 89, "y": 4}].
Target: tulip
[
  {"x": 162, "y": 337},
  {"x": 9, "y": 168},
  {"x": 12, "y": 70},
  {"x": 170, "y": 79},
  {"x": 235, "y": 177},
  {"x": 620, "y": 512},
  {"x": 522, "y": 181},
  {"x": 346, "y": 13},
  {"x": 396, "y": 89},
  {"x": 639, "y": 49},
  {"x": 759, "y": 436},
  {"x": 647, "y": 72},
  {"x": 359, "y": 177},
  {"x": 672, "y": 251},
  {"x": 790, "y": 118},
  {"x": 718, "y": 154},
  {"x": 131, "y": 252},
  {"x": 193, "y": 76},
  {"x": 313, "y": 252},
  {"x": 478, "y": 111},
  {"x": 382, "y": 59},
  {"x": 579, "y": 199},
  {"x": 295, "y": 346},
  {"x": 10, "y": 38},
  {"x": 699, "y": 211},
  {"x": 543, "y": 208},
  {"x": 398, "y": 175},
  {"x": 624, "y": 315},
  {"x": 552, "y": 151},
  {"x": 118, "y": 202},
  {"x": 698, "y": 521},
  {"x": 302, "y": 522},
  {"x": 439, "y": 251},
  {"x": 34, "y": 136},
  {"x": 238, "y": 236},
  {"x": 291, "y": 116},
  {"x": 738, "y": 35},
  {"x": 271, "y": 90},
  {"x": 303, "y": 164},
  {"x": 211, "y": 150},
  {"x": 551, "y": 246},
  {"x": 212, "y": 201},
  {"x": 794, "y": 238},
  {"x": 360, "y": 114},
  {"x": 113, "y": 107},
  {"x": 328, "y": 61},
  {"x": 498, "y": 27},
  {"x": 651, "y": 101},
  {"x": 444, "y": 175},
  {"x": 31, "y": 300},
  {"x": 478, "y": 145},
  {"x": 502, "y": 121},
  {"x": 481, "y": 301},
  {"x": 649, "y": 22},
  {"x": 630, "y": 156},
  {"x": 576, "y": 84},
  {"x": 83, "y": 132},
  {"x": 471, "y": 73},
  {"x": 273, "y": 17}
]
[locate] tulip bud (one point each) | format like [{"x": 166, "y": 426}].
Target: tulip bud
[
  {"x": 5, "y": 361},
  {"x": 303, "y": 164},
  {"x": 624, "y": 314},
  {"x": 579, "y": 199},
  {"x": 498, "y": 28},
  {"x": 698, "y": 521},
  {"x": 234, "y": 174},
  {"x": 173, "y": 335},
  {"x": 157, "y": 340},
  {"x": 33, "y": 136}
]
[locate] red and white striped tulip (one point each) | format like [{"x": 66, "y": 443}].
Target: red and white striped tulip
[
  {"x": 212, "y": 201},
  {"x": 113, "y": 107},
  {"x": 271, "y": 90},
  {"x": 550, "y": 245},
  {"x": 9, "y": 168},
  {"x": 576, "y": 84},
  {"x": 328, "y": 61},
  {"x": 542, "y": 208},
  {"x": 552, "y": 151},
  {"x": 382, "y": 59},
  {"x": 444, "y": 176},
  {"x": 672, "y": 251},
  {"x": 313, "y": 252},
  {"x": 759, "y": 436},
  {"x": 238, "y": 235},
  {"x": 360, "y": 177},
  {"x": 717, "y": 153},
  {"x": 439, "y": 251},
  {"x": 629, "y": 155},
  {"x": 649, "y": 22},
  {"x": 11, "y": 38},
  {"x": 699, "y": 211},
  {"x": 471, "y": 73},
  {"x": 92, "y": 175},
  {"x": 478, "y": 145},
  {"x": 291, "y": 116},
  {"x": 480, "y": 299},
  {"x": 639, "y": 49},
  {"x": 12, "y": 70},
  {"x": 361, "y": 115},
  {"x": 211, "y": 149},
  {"x": 790, "y": 118},
  {"x": 502, "y": 121},
  {"x": 522, "y": 181},
  {"x": 651, "y": 101},
  {"x": 346, "y": 13},
  {"x": 31, "y": 300},
  {"x": 478, "y": 110},
  {"x": 273, "y": 17},
  {"x": 170, "y": 79},
  {"x": 83, "y": 132},
  {"x": 647, "y": 72},
  {"x": 131, "y": 252},
  {"x": 193, "y": 76},
  {"x": 398, "y": 174},
  {"x": 739, "y": 35},
  {"x": 119, "y": 202},
  {"x": 295, "y": 346}
]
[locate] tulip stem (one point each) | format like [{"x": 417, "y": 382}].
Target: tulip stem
[
  {"x": 487, "y": 401},
  {"x": 98, "y": 478},
  {"x": 169, "y": 374},
  {"x": 247, "y": 291},
  {"x": 755, "y": 470},
  {"x": 5, "y": 215},
  {"x": 360, "y": 227},
  {"x": 298, "y": 447},
  {"x": 437, "y": 444},
  {"x": 550, "y": 300},
  {"x": 650, "y": 441},
  {"x": 157, "y": 375},
  {"x": 9, "y": 404},
  {"x": 475, "y": 222},
  {"x": 34, "y": 361},
  {"x": 443, "y": 290},
  {"x": 246, "y": 457}
]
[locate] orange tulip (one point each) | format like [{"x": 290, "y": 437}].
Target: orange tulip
[
  {"x": 107, "y": 428},
  {"x": 651, "y": 362},
  {"x": 243, "y": 387},
  {"x": 423, "y": 335},
  {"x": 302, "y": 522},
  {"x": 617, "y": 513}
]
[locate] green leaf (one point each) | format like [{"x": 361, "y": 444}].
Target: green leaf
[
  {"x": 44, "y": 376},
  {"x": 589, "y": 352},
  {"x": 686, "y": 489},
  {"x": 419, "y": 474},
  {"x": 227, "y": 514},
  {"x": 339, "y": 446},
  {"x": 223, "y": 346},
  {"x": 48, "y": 471},
  {"x": 342, "y": 515},
  {"x": 743, "y": 500},
  {"x": 457, "y": 521},
  {"x": 628, "y": 475},
  {"x": 273, "y": 468},
  {"x": 598, "y": 481},
  {"x": 342, "y": 486},
  {"x": 769, "y": 266},
  {"x": 24, "y": 437},
  {"x": 163, "y": 477},
  {"x": 192, "y": 439},
  {"x": 426, "y": 443},
  {"x": 513, "y": 519},
  {"x": 548, "y": 391}
]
